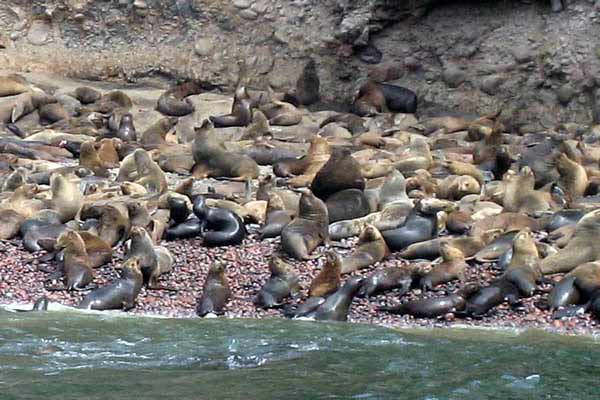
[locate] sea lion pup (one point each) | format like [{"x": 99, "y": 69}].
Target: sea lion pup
[
  {"x": 149, "y": 174},
  {"x": 126, "y": 131},
  {"x": 128, "y": 168},
  {"x": 108, "y": 151},
  {"x": 581, "y": 248},
  {"x": 67, "y": 198},
  {"x": 459, "y": 222},
  {"x": 214, "y": 160},
  {"x": 113, "y": 226},
  {"x": 455, "y": 187},
  {"x": 328, "y": 279},
  {"x": 87, "y": 95},
  {"x": 573, "y": 178},
  {"x": 308, "y": 230},
  {"x": 277, "y": 217},
  {"x": 523, "y": 270},
  {"x": 219, "y": 226},
  {"x": 89, "y": 158},
  {"x": 307, "y": 86},
  {"x": 282, "y": 283},
  {"x": 142, "y": 247},
  {"x": 51, "y": 113},
  {"x": 157, "y": 132},
  {"x": 453, "y": 267},
  {"x": 76, "y": 269},
  {"x": 498, "y": 292},
  {"x": 111, "y": 102},
  {"x": 22, "y": 201},
  {"x": 370, "y": 100},
  {"x": 215, "y": 292},
  {"x": 121, "y": 294},
  {"x": 413, "y": 157},
  {"x": 520, "y": 196},
  {"x": 11, "y": 85},
  {"x": 10, "y": 222},
  {"x": 241, "y": 111},
  {"x": 173, "y": 102},
  {"x": 370, "y": 249},
  {"x": 317, "y": 155},
  {"x": 435, "y": 306},
  {"x": 281, "y": 113},
  {"x": 336, "y": 306},
  {"x": 340, "y": 172},
  {"x": 418, "y": 227},
  {"x": 387, "y": 279},
  {"x": 347, "y": 204},
  {"x": 138, "y": 214}
]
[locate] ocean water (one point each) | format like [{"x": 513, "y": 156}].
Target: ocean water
[{"x": 66, "y": 355}]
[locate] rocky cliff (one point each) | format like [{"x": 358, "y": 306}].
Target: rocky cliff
[{"x": 540, "y": 67}]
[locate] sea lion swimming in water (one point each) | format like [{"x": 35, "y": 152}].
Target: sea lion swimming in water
[
  {"x": 370, "y": 249},
  {"x": 121, "y": 294},
  {"x": 282, "y": 283},
  {"x": 215, "y": 292}
]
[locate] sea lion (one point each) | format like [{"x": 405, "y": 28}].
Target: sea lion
[
  {"x": 219, "y": 226},
  {"x": 413, "y": 157},
  {"x": 113, "y": 102},
  {"x": 346, "y": 205},
  {"x": 187, "y": 229},
  {"x": 340, "y": 172},
  {"x": 114, "y": 225},
  {"x": 281, "y": 113},
  {"x": 89, "y": 158},
  {"x": 11, "y": 85},
  {"x": 523, "y": 270},
  {"x": 328, "y": 279},
  {"x": 10, "y": 222},
  {"x": 76, "y": 269},
  {"x": 459, "y": 222},
  {"x": 337, "y": 305},
  {"x": 562, "y": 218},
  {"x": 305, "y": 167},
  {"x": 307, "y": 86},
  {"x": 370, "y": 100},
  {"x": 573, "y": 178},
  {"x": 241, "y": 111},
  {"x": 309, "y": 229},
  {"x": 87, "y": 95},
  {"x": 391, "y": 217},
  {"x": 370, "y": 249},
  {"x": 149, "y": 174},
  {"x": 157, "y": 132},
  {"x": 578, "y": 286},
  {"x": 435, "y": 306},
  {"x": 173, "y": 102},
  {"x": 179, "y": 210},
  {"x": 581, "y": 249},
  {"x": 126, "y": 131},
  {"x": 282, "y": 283},
  {"x": 108, "y": 152},
  {"x": 215, "y": 292},
  {"x": 452, "y": 267},
  {"x": 455, "y": 187},
  {"x": 564, "y": 293},
  {"x": 488, "y": 297},
  {"x": 51, "y": 113},
  {"x": 138, "y": 213},
  {"x": 67, "y": 198},
  {"x": 120, "y": 294},
  {"x": 399, "y": 99},
  {"x": 99, "y": 252},
  {"x": 142, "y": 247},
  {"x": 386, "y": 279},
  {"x": 418, "y": 227},
  {"x": 213, "y": 160},
  {"x": 277, "y": 217}
]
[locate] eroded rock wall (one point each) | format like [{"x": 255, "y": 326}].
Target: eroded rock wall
[{"x": 540, "y": 67}]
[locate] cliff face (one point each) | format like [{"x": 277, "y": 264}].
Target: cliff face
[{"x": 540, "y": 67}]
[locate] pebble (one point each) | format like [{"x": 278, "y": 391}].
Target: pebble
[
  {"x": 242, "y": 4},
  {"x": 453, "y": 76}
]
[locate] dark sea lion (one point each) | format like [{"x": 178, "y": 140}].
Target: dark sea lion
[
  {"x": 337, "y": 305},
  {"x": 89, "y": 158},
  {"x": 282, "y": 283},
  {"x": 523, "y": 270},
  {"x": 399, "y": 99},
  {"x": 50, "y": 113},
  {"x": 562, "y": 218},
  {"x": 497, "y": 247},
  {"x": 76, "y": 269},
  {"x": 121, "y": 294},
  {"x": 178, "y": 210},
  {"x": 564, "y": 293},
  {"x": 157, "y": 132},
  {"x": 307, "y": 87},
  {"x": 173, "y": 102},
  {"x": 220, "y": 226},
  {"x": 277, "y": 217},
  {"x": 126, "y": 131},
  {"x": 214, "y": 160},
  {"x": 491, "y": 296},
  {"x": 241, "y": 111},
  {"x": 215, "y": 292},
  {"x": 370, "y": 249},
  {"x": 418, "y": 227},
  {"x": 459, "y": 222},
  {"x": 452, "y": 267},
  {"x": 42, "y": 235},
  {"x": 435, "y": 306},
  {"x": 328, "y": 279},
  {"x": 387, "y": 279},
  {"x": 582, "y": 248},
  {"x": 10, "y": 222},
  {"x": 188, "y": 229},
  {"x": 340, "y": 172},
  {"x": 309, "y": 229},
  {"x": 304, "y": 309},
  {"x": 347, "y": 204},
  {"x": 87, "y": 95}
]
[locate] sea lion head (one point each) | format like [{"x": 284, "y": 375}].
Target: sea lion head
[
  {"x": 279, "y": 267},
  {"x": 590, "y": 221},
  {"x": 370, "y": 234},
  {"x": 469, "y": 289},
  {"x": 332, "y": 260},
  {"x": 66, "y": 239},
  {"x": 216, "y": 271},
  {"x": 131, "y": 265},
  {"x": 467, "y": 185},
  {"x": 523, "y": 243}
]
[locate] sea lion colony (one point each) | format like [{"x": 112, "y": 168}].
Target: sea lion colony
[{"x": 487, "y": 218}]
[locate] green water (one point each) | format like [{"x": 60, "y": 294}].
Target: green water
[{"x": 106, "y": 357}]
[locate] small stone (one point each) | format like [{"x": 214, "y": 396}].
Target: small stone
[
  {"x": 39, "y": 32},
  {"x": 250, "y": 15},
  {"x": 370, "y": 55},
  {"x": 344, "y": 50},
  {"x": 412, "y": 64},
  {"x": 242, "y": 4},
  {"x": 453, "y": 76},
  {"x": 203, "y": 46},
  {"x": 523, "y": 54},
  {"x": 386, "y": 72},
  {"x": 140, "y": 4},
  {"x": 565, "y": 94},
  {"x": 490, "y": 84}
]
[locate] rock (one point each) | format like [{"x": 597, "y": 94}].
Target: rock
[
  {"x": 39, "y": 32},
  {"x": 249, "y": 14},
  {"x": 386, "y": 72},
  {"x": 242, "y": 4},
  {"x": 490, "y": 84},
  {"x": 203, "y": 46},
  {"x": 140, "y": 4},
  {"x": 262, "y": 60},
  {"x": 370, "y": 54},
  {"x": 453, "y": 76},
  {"x": 523, "y": 54},
  {"x": 565, "y": 94},
  {"x": 404, "y": 121}
]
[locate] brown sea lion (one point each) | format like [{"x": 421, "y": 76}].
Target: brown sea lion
[
  {"x": 455, "y": 187},
  {"x": 50, "y": 113},
  {"x": 76, "y": 269},
  {"x": 114, "y": 225},
  {"x": 307, "y": 166},
  {"x": 10, "y": 222},
  {"x": 459, "y": 222},
  {"x": 87, "y": 95},
  {"x": 277, "y": 217},
  {"x": 157, "y": 132},
  {"x": 99, "y": 252},
  {"x": 337, "y": 305},
  {"x": 413, "y": 157},
  {"x": 143, "y": 247},
  {"x": 215, "y": 292},
  {"x": 108, "y": 152},
  {"x": 523, "y": 270},
  {"x": 15, "y": 107},
  {"x": 173, "y": 102},
  {"x": 386, "y": 279},
  {"x": 453, "y": 267},
  {"x": 573, "y": 178},
  {"x": 22, "y": 201},
  {"x": 340, "y": 172},
  {"x": 582, "y": 248},
  {"x": 370, "y": 100},
  {"x": 67, "y": 198},
  {"x": 149, "y": 174},
  {"x": 309, "y": 229},
  {"x": 89, "y": 158},
  {"x": 281, "y": 113},
  {"x": 579, "y": 285},
  {"x": 113, "y": 101},
  {"x": 370, "y": 249},
  {"x": 11, "y": 85},
  {"x": 213, "y": 160},
  {"x": 328, "y": 279}
]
